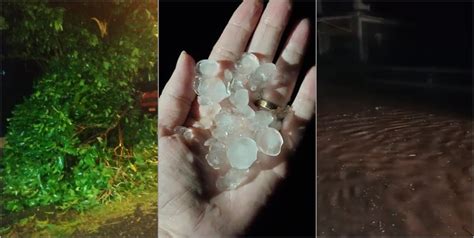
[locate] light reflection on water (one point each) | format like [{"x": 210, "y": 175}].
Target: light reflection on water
[{"x": 387, "y": 169}]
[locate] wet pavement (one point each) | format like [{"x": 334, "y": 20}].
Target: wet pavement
[{"x": 391, "y": 166}]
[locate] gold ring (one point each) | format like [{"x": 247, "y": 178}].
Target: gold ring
[
  {"x": 262, "y": 103},
  {"x": 279, "y": 112}
]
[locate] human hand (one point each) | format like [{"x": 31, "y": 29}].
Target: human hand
[{"x": 187, "y": 203}]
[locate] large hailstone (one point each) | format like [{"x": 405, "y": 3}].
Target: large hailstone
[
  {"x": 208, "y": 113},
  {"x": 240, "y": 99},
  {"x": 261, "y": 75},
  {"x": 269, "y": 141},
  {"x": 216, "y": 155},
  {"x": 242, "y": 153},
  {"x": 212, "y": 89},
  {"x": 207, "y": 68},
  {"x": 247, "y": 63},
  {"x": 263, "y": 118}
]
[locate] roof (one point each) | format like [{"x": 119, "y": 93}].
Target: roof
[{"x": 363, "y": 17}]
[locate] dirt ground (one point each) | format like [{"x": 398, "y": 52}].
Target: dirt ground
[
  {"x": 138, "y": 224},
  {"x": 134, "y": 216}
]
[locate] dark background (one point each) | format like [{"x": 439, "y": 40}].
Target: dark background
[
  {"x": 195, "y": 27},
  {"x": 430, "y": 33},
  {"x": 433, "y": 35},
  {"x": 16, "y": 82}
]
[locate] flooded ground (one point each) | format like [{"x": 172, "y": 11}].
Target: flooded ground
[{"x": 394, "y": 164}]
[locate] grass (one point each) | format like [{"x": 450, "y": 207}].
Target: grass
[{"x": 66, "y": 223}]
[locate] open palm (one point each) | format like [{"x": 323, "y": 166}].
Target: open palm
[{"x": 189, "y": 205}]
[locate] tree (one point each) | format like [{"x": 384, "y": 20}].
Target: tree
[{"x": 81, "y": 137}]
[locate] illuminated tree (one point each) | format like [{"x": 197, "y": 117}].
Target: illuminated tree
[{"x": 81, "y": 137}]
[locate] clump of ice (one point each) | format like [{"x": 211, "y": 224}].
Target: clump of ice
[{"x": 240, "y": 133}]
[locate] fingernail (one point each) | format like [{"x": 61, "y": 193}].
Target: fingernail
[{"x": 181, "y": 56}]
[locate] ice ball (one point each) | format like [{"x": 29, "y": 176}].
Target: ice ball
[
  {"x": 262, "y": 74},
  {"x": 247, "y": 63},
  {"x": 262, "y": 118},
  {"x": 240, "y": 98},
  {"x": 242, "y": 153},
  {"x": 213, "y": 89},
  {"x": 207, "y": 68},
  {"x": 269, "y": 141},
  {"x": 216, "y": 155}
]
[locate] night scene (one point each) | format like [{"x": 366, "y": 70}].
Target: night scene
[
  {"x": 394, "y": 121},
  {"x": 78, "y": 120}
]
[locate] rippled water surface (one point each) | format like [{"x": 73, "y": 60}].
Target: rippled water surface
[{"x": 393, "y": 168}]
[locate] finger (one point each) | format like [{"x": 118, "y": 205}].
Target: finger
[
  {"x": 305, "y": 101},
  {"x": 270, "y": 28},
  {"x": 236, "y": 34},
  {"x": 193, "y": 113},
  {"x": 288, "y": 64},
  {"x": 303, "y": 109},
  {"x": 177, "y": 96}
]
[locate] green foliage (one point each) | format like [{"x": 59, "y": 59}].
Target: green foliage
[
  {"x": 34, "y": 25},
  {"x": 80, "y": 138}
]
